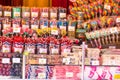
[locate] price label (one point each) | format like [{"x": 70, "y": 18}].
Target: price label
[
  {"x": 16, "y": 25},
  {"x": 63, "y": 27},
  {"x": 44, "y": 14},
  {"x": 71, "y": 28},
  {"x": 17, "y": 14},
  {"x": 107, "y": 7},
  {"x": 18, "y": 50},
  {"x": 112, "y": 47},
  {"x": 41, "y": 75},
  {"x": 54, "y": 32},
  {"x": 69, "y": 74},
  {"x": 7, "y": 13},
  {"x": 53, "y": 15},
  {"x": 55, "y": 51},
  {"x": 16, "y": 30},
  {"x": 5, "y": 60},
  {"x": 66, "y": 60},
  {"x": 66, "y": 50},
  {"x": 31, "y": 50},
  {"x": 34, "y": 14},
  {"x": 42, "y": 61},
  {"x": 34, "y": 27},
  {"x": 96, "y": 62},
  {"x": 26, "y": 14},
  {"x": 118, "y": 20},
  {"x": 62, "y": 15},
  {"x": 5, "y": 49},
  {"x": 113, "y": 30},
  {"x": 25, "y": 26},
  {"x": 6, "y": 26},
  {"x": 16, "y": 60},
  {"x": 43, "y": 50}
]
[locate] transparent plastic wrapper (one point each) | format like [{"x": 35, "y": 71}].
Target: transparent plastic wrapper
[
  {"x": 44, "y": 13},
  {"x": 25, "y": 23},
  {"x": 53, "y": 13},
  {"x": 7, "y": 11},
  {"x": 62, "y": 12},
  {"x": 44, "y": 23},
  {"x": 53, "y": 23},
  {"x": 62, "y": 24},
  {"x": 16, "y": 12},
  {"x": 35, "y": 12},
  {"x": 34, "y": 23},
  {"x": 6, "y": 22},
  {"x": 25, "y": 12}
]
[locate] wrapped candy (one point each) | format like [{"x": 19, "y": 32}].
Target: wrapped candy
[
  {"x": 34, "y": 12},
  {"x": 53, "y": 13},
  {"x": 34, "y": 23},
  {"x": 25, "y": 23},
  {"x": 7, "y": 11},
  {"x": 62, "y": 24},
  {"x": 62, "y": 13},
  {"x": 16, "y": 12},
  {"x": 53, "y": 23},
  {"x": 44, "y": 23},
  {"x": 44, "y": 13},
  {"x": 25, "y": 12}
]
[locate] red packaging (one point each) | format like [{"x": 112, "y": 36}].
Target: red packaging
[{"x": 34, "y": 12}]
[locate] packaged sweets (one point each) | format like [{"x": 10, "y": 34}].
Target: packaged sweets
[
  {"x": 16, "y": 12},
  {"x": 53, "y": 23},
  {"x": 25, "y": 12},
  {"x": 44, "y": 23},
  {"x": 35, "y": 12},
  {"x": 44, "y": 12},
  {"x": 6, "y": 23},
  {"x": 25, "y": 23},
  {"x": 62, "y": 13},
  {"x": 7, "y": 11},
  {"x": 34, "y": 23},
  {"x": 62, "y": 24},
  {"x": 53, "y": 13}
]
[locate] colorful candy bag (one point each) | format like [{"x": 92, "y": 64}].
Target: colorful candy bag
[
  {"x": 34, "y": 12},
  {"x": 6, "y": 44},
  {"x": 53, "y": 13},
  {"x": 62, "y": 24},
  {"x": 25, "y": 23},
  {"x": 53, "y": 23},
  {"x": 16, "y": 12},
  {"x": 6, "y": 23},
  {"x": 25, "y": 12},
  {"x": 7, "y": 11},
  {"x": 62, "y": 13},
  {"x": 34, "y": 23},
  {"x": 44, "y": 13},
  {"x": 44, "y": 23}
]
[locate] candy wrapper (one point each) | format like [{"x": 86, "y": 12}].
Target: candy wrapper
[
  {"x": 42, "y": 46},
  {"x": 16, "y": 24},
  {"x": 16, "y": 12},
  {"x": 18, "y": 43},
  {"x": 25, "y": 23},
  {"x": 54, "y": 46},
  {"x": 44, "y": 13},
  {"x": 34, "y": 12},
  {"x": 53, "y": 13},
  {"x": 62, "y": 24},
  {"x": 30, "y": 45},
  {"x": 25, "y": 12},
  {"x": 44, "y": 23},
  {"x": 6, "y": 23},
  {"x": 7, "y": 11},
  {"x": 6, "y": 44},
  {"x": 62, "y": 13},
  {"x": 34, "y": 24},
  {"x": 53, "y": 23}
]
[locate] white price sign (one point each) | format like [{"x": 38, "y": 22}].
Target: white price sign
[
  {"x": 71, "y": 28},
  {"x": 6, "y": 26},
  {"x": 66, "y": 60},
  {"x": 114, "y": 30},
  {"x": 34, "y": 27},
  {"x": 16, "y": 14},
  {"x": 96, "y": 62},
  {"x": 26, "y": 14},
  {"x": 118, "y": 20},
  {"x": 7, "y": 13},
  {"x": 16, "y": 30},
  {"x": 16, "y": 60},
  {"x": 44, "y": 14},
  {"x": 66, "y": 51},
  {"x": 63, "y": 27},
  {"x": 55, "y": 50},
  {"x": 5, "y": 49},
  {"x": 42, "y": 61},
  {"x": 53, "y": 15},
  {"x": 43, "y": 50},
  {"x": 62, "y": 15},
  {"x": 54, "y": 32},
  {"x": 34, "y": 14},
  {"x": 5, "y": 60},
  {"x": 41, "y": 75},
  {"x": 69, "y": 74},
  {"x": 25, "y": 26},
  {"x": 18, "y": 50},
  {"x": 106, "y": 6}
]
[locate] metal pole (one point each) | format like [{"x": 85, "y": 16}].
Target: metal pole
[
  {"x": 23, "y": 68},
  {"x": 83, "y": 60}
]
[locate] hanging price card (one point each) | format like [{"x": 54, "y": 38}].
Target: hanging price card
[
  {"x": 5, "y": 60},
  {"x": 16, "y": 60},
  {"x": 42, "y": 61}
]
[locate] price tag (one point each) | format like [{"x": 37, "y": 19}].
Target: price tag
[
  {"x": 25, "y": 26},
  {"x": 118, "y": 20},
  {"x": 63, "y": 27},
  {"x": 34, "y": 27},
  {"x": 6, "y": 26},
  {"x": 5, "y": 60},
  {"x": 53, "y": 15},
  {"x": 96, "y": 62},
  {"x": 26, "y": 14},
  {"x": 41, "y": 75},
  {"x": 31, "y": 50},
  {"x": 16, "y": 30},
  {"x": 71, "y": 28},
  {"x": 7, "y": 13},
  {"x": 17, "y": 14},
  {"x": 66, "y": 50},
  {"x": 113, "y": 30},
  {"x": 18, "y": 50},
  {"x": 16, "y": 25},
  {"x": 16, "y": 60},
  {"x": 54, "y": 32},
  {"x": 107, "y": 7},
  {"x": 34, "y": 14},
  {"x": 69, "y": 74},
  {"x": 44, "y": 14},
  {"x": 66, "y": 60},
  {"x": 112, "y": 47},
  {"x": 62, "y": 15},
  {"x": 55, "y": 51},
  {"x": 5, "y": 49},
  {"x": 42, "y": 61},
  {"x": 43, "y": 50}
]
